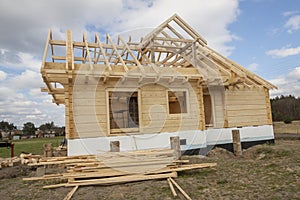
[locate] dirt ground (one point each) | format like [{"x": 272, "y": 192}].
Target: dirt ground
[{"x": 264, "y": 172}]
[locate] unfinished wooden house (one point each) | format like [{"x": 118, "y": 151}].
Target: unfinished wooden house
[{"x": 140, "y": 93}]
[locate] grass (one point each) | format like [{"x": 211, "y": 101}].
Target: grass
[
  {"x": 281, "y": 127},
  {"x": 34, "y": 146}
]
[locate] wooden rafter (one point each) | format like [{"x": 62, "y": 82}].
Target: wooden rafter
[
  {"x": 172, "y": 44},
  {"x": 87, "y": 51},
  {"x": 103, "y": 53},
  {"x": 132, "y": 55},
  {"x": 119, "y": 56}
]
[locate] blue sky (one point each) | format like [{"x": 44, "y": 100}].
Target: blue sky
[
  {"x": 261, "y": 35},
  {"x": 261, "y": 27}
]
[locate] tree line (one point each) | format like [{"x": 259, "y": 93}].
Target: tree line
[
  {"x": 285, "y": 108},
  {"x": 29, "y": 128}
]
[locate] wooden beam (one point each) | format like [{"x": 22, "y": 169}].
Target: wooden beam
[
  {"x": 88, "y": 51},
  {"x": 189, "y": 29},
  {"x": 172, "y": 187},
  {"x": 46, "y": 49},
  {"x": 103, "y": 53},
  {"x": 132, "y": 55},
  {"x": 70, "y": 194},
  {"x": 155, "y": 32},
  {"x": 180, "y": 189},
  {"x": 119, "y": 56},
  {"x": 114, "y": 180}
]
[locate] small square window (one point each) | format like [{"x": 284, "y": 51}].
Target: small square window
[
  {"x": 182, "y": 142},
  {"x": 177, "y": 102}
]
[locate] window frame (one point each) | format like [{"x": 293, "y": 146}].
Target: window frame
[
  {"x": 187, "y": 102},
  {"x": 122, "y": 131}
]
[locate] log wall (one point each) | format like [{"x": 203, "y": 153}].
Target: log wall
[
  {"x": 247, "y": 107},
  {"x": 91, "y": 107}
]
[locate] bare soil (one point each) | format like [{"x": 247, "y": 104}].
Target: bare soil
[{"x": 264, "y": 172}]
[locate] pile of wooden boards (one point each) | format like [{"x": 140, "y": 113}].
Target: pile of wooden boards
[
  {"x": 23, "y": 159},
  {"x": 9, "y": 162},
  {"x": 116, "y": 167},
  {"x": 29, "y": 158}
]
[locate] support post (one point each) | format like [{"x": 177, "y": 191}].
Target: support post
[
  {"x": 48, "y": 150},
  {"x": 175, "y": 145},
  {"x": 115, "y": 146},
  {"x": 12, "y": 150},
  {"x": 236, "y": 141}
]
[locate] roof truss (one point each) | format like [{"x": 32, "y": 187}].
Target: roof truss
[{"x": 173, "y": 44}]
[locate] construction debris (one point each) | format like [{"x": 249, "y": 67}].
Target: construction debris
[{"x": 9, "y": 162}]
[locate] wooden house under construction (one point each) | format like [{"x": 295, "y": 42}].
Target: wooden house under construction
[{"x": 140, "y": 93}]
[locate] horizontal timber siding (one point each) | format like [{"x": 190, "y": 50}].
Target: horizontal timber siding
[{"x": 246, "y": 107}]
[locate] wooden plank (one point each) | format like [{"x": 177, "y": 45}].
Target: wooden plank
[
  {"x": 62, "y": 162},
  {"x": 247, "y": 118},
  {"x": 45, "y": 177},
  {"x": 247, "y": 112},
  {"x": 70, "y": 194},
  {"x": 245, "y": 107},
  {"x": 180, "y": 189},
  {"x": 172, "y": 187},
  {"x": 185, "y": 167},
  {"x": 114, "y": 180},
  {"x": 46, "y": 49}
]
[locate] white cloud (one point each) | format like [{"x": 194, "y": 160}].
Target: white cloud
[
  {"x": 289, "y": 13},
  {"x": 2, "y": 75},
  {"x": 288, "y": 84},
  {"x": 294, "y": 74},
  {"x": 19, "y": 60},
  {"x": 252, "y": 67},
  {"x": 284, "y": 52},
  {"x": 26, "y": 80},
  {"x": 31, "y": 24},
  {"x": 293, "y": 24},
  {"x": 26, "y": 25},
  {"x": 199, "y": 14},
  {"x": 19, "y": 98}
]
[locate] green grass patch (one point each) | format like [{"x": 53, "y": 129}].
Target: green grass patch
[
  {"x": 266, "y": 149},
  {"x": 283, "y": 153},
  {"x": 34, "y": 146}
]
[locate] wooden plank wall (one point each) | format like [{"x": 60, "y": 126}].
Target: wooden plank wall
[
  {"x": 246, "y": 107},
  {"x": 89, "y": 103},
  {"x": 153, "y": 104},
  {"x": 155, "y": 114}
]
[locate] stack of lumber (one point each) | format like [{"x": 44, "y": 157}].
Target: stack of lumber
[
  {"x": 115, "y": 168},
  {"x": 9, "y": 162},
  {"x": 29, "y": 158}
]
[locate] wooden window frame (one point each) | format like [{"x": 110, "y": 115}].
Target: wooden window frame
[
  {"x": 123, "y": 131},
  {"x": 187, "y": 102}
]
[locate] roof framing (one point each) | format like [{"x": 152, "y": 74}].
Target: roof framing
[{"x": 173, "y": 45}]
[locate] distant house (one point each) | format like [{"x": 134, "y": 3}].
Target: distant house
[
  {"x": 140, "y": 93},
  {"x": 16, "y": 137}
]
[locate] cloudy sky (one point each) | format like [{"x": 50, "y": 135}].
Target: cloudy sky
[{"x": 262, "y": 35}]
